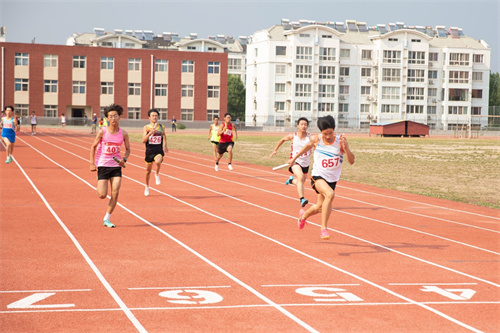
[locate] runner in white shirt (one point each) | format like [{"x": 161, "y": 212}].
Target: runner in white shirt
[
  {"x": 327, "y": 167},
  {"x": 301, "y": 166}
]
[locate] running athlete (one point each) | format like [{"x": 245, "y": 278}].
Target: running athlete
[
  {"x": 107, "y": 160},
  {"x": 301, "y": 166},
  {"x": 33, "y": 123},
  {"x": 213, "y": 135},
  {"x": 153, "y": 136},
  {"x": 327, "y": 166},
  {"x": 9, "y": 129},
  {"x": 227, "y": 133}
]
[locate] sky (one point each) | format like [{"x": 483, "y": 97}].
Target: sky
[{"x": 53, "y": 21}]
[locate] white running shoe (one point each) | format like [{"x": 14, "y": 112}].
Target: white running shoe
[
  {"x": 229, "y": 166},
  {"x": 146, "y": 191},
  {"x": 216, "y": 167},
  {"x": 158, "y": 182}
]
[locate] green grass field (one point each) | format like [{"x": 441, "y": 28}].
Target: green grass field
[{"x": 463, "y": 170}]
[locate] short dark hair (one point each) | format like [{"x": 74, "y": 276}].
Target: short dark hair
[
  {"x": 153, "y": 110},
  {"x": 304, "y": 119},
  {"x": 113, "y": 107},
  {"x": 9, "y": 106},
  {"x": 216, "y": 116},
  {"x": 227, "y": 114},
  {"x": 326, "y": 122}
]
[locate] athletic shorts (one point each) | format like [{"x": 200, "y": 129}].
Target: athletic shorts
[
  {"x": 10, "y": 136},
  {"x": 222, "y": 146},
  {"x": 314, "y": 178},
  {"x": 305, "y": 170},
  {"x": 108, "y": 172},
  {"x": 150, "y": 156},
  {"x": 215, "y": 142}
]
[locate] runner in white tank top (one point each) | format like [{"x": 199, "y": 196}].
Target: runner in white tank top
[
  {"x": 300, "y": 168},
  {"x": 108, "y": 162},
  {"x": 327, "y": 166}
]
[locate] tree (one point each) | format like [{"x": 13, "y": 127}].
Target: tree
[
  {"x": 235, "y": 97},
  {"x": 494, "y": 98}
]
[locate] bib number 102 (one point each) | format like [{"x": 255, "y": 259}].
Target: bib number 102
[{"x": 330, "y": 162}]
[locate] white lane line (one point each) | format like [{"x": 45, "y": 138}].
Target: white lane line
[
  {"x": 163, "y": 288},
  {"x": 439, "y": 313},
  {"x": 42, "y": 291}
]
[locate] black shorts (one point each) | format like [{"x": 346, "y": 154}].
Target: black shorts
[
  {"x": 150, "y": 155},
  {"x": 215, "y": 142},
  {"x": 314, "y": 178},
  {"x": 108, "y": 172},
  {"x": 305, "y": 170},
  {"x": 222, "y": 147}
]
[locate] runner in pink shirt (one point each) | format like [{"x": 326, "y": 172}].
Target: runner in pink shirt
[{"x": 105, "y": 158}]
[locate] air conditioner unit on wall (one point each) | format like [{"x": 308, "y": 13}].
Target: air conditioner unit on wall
[{"x": 341, "y": 79}]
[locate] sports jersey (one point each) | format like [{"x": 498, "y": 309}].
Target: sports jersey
[
  {"x": 296, "y": 146},
  {"x": 213, "y": 134},
  {"x": 8, "y": 128},
  {"x": 108, "y": 148},
  {"x": 155, "y": 141},
  {"x": 328, "y": 160},
  {"x": 227, "y": 135}
]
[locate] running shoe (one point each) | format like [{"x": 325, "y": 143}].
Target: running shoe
[
  {"x": 216, "y": 167},
  {"x": 289, "y": 181},
  {"x": 107, "y": 223},
  {"x": 301, "y": 221},
  {"x": 229, "y": 166},
  {"x": 146, "y": 191},
  {"x": 325, "y": 234},
  {"x": 158, "y": 182},
  {"x": 9, "y": 159},
  {"x": 303, "y": 202}
]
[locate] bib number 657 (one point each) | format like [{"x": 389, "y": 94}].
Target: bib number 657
[{"x": 330, "y": 162}]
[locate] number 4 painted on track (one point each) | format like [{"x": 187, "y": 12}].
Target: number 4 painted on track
[{"x": 464, "y": 294}]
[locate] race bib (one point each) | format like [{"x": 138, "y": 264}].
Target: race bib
[
  {"x": 155, "y": 140},
  {"x": 111, "y": 149},
  {"x": 7, "y": 125},
  {"x": 330, "y": 163}
]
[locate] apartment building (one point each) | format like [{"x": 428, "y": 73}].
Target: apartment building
[
  {"x": 364, "y": 75},
  {"x": 78, "y": 81}
]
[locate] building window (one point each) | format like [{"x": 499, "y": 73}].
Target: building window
[
  {"x": 50, "y": 86},
  {"x": 107, "y": 88},
  {"x": 415, "y": 93},
  {"x": 304, "y": 53},
  {"x": 213, "y": 67},
  {"x": 433, "y": 56},
  {"x": 187, "y": 90},
  {"x": 279, "y": 87},
  {"x": 365, "y": 90},
  {"x": 431, "y": 109},
  {"x": 326, "y": 90},
  {"x": 391, "y": 93},
  {"x": 21, "y": 59},
  {"x": 364, "y": 108},
  {"x": 432, "y": 75},
  {"x": 478, "y": 58},
  {"x": 416, "y": 75},
  {"x": 163, "y": 113},
  {"x": 392, "y": 57},
  {"x": 344, "y": 90},
  {"x": 326, "y": 72},
  {"x": 302, "y": 90},
  {"x": 344, "y": 71},
  {"x": 459, "y": 59},
  {"x": 343, "y": 107},
  {"x": 50, "y": 111},
  {"x": 78, "y": 87},
  {"x": 23, "y": 109},
  {"x": 21, "y": 84},
  {"x": 457, "y": 110},
  {"x": 134, "y": 64},
  {"x": 326, "y": 107},
  {"x": 211, "y": 114},
  {"x": 458, "y": 77},
  {"x": 458, "y": 95},
  {"x": 415, "y": 57},
  {"x": 477, "y": 76},
  {"x": 133, "y": 113},
  {"x": 303, "y": 71},
  {"x": 50, "y": 60},
  {"x": 432, "y": 92},
  {"x": 302, "y": 106},
  {"x": 345, "y": 53},
  {"x": 477, "y": 93},
  {"x": 366, "y": 72},
  {"x": 391, "y": 74},
  {"x": 187, "y": 114},
  {"x": 389, "y": 108},
  {"x": 281, "y": 50},
  {"x": 327, "y": 53},
  {"x": 211, "y": 49},
  {"x": 234, "y": 64},
  {"x": 160, "y": 89},
  {"x": 213, "y": 91},
  {"x": 187, "y": 66},
  {"x": 79, "y": 61},
  {"x": 279, "y": 106},
  {"x": 280, "y": 69},
  {"x": 107, "y": 62},
  {"x": 161, "y": 65},
  {"x": 191, "y": 48},
  {"x": 366, "y": 54},
  {"x": 415, "y": 109},
  {"x": 134, "y": 89},
  {"x": 476, "y": 111}
]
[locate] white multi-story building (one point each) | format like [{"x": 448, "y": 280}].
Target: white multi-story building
[{"x": 363, "y": 75}]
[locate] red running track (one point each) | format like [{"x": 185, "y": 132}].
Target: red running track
[{"x": 220, "y": 251}]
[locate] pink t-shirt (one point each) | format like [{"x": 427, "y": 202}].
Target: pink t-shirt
[{"x": 108, "y": 148}]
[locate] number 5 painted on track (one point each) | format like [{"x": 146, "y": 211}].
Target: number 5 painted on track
[
  {"x": 191, "y": 296},
  {"x": 325, "y": 294}
]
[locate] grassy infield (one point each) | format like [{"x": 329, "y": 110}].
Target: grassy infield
[{"x": 455, "y": 169}]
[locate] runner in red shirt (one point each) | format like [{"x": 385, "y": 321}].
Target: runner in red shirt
[{"x": 227, "y": 133}]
